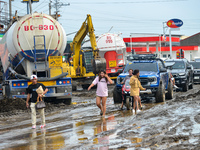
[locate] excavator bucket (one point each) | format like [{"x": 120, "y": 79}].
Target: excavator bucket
[{"x": 98, "y": 64}]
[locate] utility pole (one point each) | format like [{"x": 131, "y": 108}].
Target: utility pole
[
  {"x": 57, "y": 5},
  {"x": 10, "y": 9},
  {"x": 30, "y": 5},
  {"x": 50, "y": 7}
]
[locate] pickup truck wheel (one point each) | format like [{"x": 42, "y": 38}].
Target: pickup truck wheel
[
  {"x": 191, "y": 85},
  {"x": 67, "y": 101},
  {"x": 185, "y": 87},
  {"x": 170, "y": 92},
  {"x": 117, "y": 97},
  {"x": 128, "y": 103},
  {"x": 160, "y": 94}
]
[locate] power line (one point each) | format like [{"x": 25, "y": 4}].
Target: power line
[
  {"x": 57, "y": 5},
  {"x": 126, "y": 2}
]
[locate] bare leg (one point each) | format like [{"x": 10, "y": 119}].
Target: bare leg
[
  {"x": 104, "y": 105},
  {"x": 98, "y": 102},
  {"x": 139, "y": 100},
  {"x": 122, "y": 105},
  {"x": 134, "y": 100}
]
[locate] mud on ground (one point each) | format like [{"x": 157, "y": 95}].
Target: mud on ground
[
  {"x": 173, "y": 125},
  {"x": 11, "y": 106}
]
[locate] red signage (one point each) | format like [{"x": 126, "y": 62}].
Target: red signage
[{"x": 40, "y": 27}]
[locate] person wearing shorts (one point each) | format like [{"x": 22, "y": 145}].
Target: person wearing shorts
[
  {"x": 102, "y": 90},
  {"x": 135, "y": 88}
]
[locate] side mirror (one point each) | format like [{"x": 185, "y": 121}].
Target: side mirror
[
  {"x": 189, "y": 67},
  {"x": 120, "y": 71},
  {"x": 163, "y": 70}
]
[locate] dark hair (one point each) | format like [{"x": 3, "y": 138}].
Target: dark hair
[
  {"x": 136, "y": 71},
  {"x": 100, "y": 75},
  {"x": 130, "y": 69}
]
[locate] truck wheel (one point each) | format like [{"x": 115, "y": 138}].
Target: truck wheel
[
  {"x": 67, "y": 101},
  {"x": 185, "y": 87},
  {"x": 191, "y": 85},
  {"x": 74, "y": 86},
  {"x": 85, "y": 86},
  {"x": 170, "y": 92},
  {"x": 117, "y": 97},
  {"x": 160, "y": 94},
  {"x": 128, "y": 103}
]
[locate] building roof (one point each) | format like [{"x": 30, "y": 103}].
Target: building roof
[{"x": 192, "y": 40}]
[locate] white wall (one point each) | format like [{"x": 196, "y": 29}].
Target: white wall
[{"x": 189, "y": 55}]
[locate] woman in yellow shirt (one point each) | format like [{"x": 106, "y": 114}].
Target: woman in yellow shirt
[{"x": 135, "y": 88}]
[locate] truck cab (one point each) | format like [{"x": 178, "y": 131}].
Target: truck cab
[
  {"x": 183, "y": 73},
  {"x": 153, "y": 76}
]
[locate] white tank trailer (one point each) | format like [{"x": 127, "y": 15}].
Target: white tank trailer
[
  {"x": 28, "y": 43},
  {"x": 111, "y": 47}
]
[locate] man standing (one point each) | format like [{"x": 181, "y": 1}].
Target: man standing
[
  {"x": 130, "y": 73},
  {"x": 32, "y": 91}
]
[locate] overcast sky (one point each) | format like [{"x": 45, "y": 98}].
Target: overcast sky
[{"x": 126, "y": 16}]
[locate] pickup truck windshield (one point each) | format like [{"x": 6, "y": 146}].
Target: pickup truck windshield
[
  {"x": 196, "y": 65},
  {"x": 178, "y": 65},
  {"x": 142, "y": 66}
]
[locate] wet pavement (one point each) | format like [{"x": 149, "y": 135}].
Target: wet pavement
[{"x": 174, "y": 124}]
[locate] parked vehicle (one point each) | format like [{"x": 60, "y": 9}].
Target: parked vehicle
[
  {"x": 26, "y": 49},
  {"x": 196, "y": 66},
  {"x": 182, "y": 71},
  {"x": 111, "y": 47},
  {"x": 153, "y": 76}
]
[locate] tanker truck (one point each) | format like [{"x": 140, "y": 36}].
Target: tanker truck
[
  {"x": 27, "y": 48},
  {"x": 111, "y": 47}
]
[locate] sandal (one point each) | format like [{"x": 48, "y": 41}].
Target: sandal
[{"x": 101, "y": 113}]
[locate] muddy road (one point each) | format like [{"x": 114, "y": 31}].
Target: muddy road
[{"x": 174, "y": 124}]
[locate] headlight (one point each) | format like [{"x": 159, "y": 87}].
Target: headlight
[
  {"x": 153, "y": 80},
  {"x": 119, "y": 80},
  {"x": 181, "y": 74}
]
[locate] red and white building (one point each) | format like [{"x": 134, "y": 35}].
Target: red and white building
[{"x": 159, "y": 45}]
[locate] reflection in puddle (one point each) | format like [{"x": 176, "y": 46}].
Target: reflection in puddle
[
  {"x": 102, "y": 126},
  {"x": 80, "y": 132},
  {"x": 42, "y": 140},
  {"x": 81, "y": 140},
  {"x": 136, "y": 140},
  {"x": 79, "y": 124}
]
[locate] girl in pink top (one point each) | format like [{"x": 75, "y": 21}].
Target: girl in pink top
[{"x": 102, "y": 90}]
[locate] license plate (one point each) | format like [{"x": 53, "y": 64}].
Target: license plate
[
  {"x": 112, "y": 70},
  {"x": 196, "y": 77},
  {"x": 112, "y": 63}
]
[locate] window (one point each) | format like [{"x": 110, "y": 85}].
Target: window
[
  {"x": 142, "y": 66},
  {"x": 164, "y": 56}
]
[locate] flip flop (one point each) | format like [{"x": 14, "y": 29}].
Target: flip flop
[{"x": 101, "y": 113}]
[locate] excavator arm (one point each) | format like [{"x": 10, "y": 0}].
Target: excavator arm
[{"x": 75, "y": 47}]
